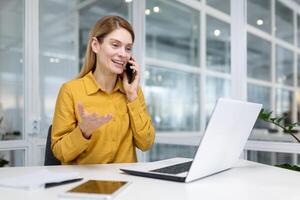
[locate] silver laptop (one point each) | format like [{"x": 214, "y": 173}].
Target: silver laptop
[{"x": 224, "y": 139}]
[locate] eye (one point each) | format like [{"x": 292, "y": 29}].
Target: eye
[
  {"x": 115, "y": 45},
  {"x": 128, "y": 49}
]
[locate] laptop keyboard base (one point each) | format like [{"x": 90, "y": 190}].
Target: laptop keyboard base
[{"x": 174, "y": 169}]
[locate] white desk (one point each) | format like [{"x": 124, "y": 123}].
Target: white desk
[{"x": 248, "y": 180}]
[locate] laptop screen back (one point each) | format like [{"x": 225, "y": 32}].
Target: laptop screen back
[{"x": 225, "y": 137}]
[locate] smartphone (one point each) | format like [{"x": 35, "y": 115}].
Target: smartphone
[
  {"x": 96, "y": 189},
  {"x": 130, "y": 73}
]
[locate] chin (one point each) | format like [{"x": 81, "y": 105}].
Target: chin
[{"x": 118, "y": 71}]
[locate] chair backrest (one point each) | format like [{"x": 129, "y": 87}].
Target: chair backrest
[{"x": 49, "y": 157}]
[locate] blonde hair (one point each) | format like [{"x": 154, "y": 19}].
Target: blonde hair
[{"x": 103, "y": 27}]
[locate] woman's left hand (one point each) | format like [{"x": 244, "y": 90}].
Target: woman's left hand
[{"x": 132, "y": 88}]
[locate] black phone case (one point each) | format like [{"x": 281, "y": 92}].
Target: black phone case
[{"x": 130, "y": 73}]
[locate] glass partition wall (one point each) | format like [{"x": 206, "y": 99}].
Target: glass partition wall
[
  {"x": 187, "y": 69},
  {"x": 185, "y": 51},
  {"x": 272, "y": 72},
  {"x": 11, "y": 83}
]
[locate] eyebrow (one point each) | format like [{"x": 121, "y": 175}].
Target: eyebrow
[{"x": 116, "y": 40}]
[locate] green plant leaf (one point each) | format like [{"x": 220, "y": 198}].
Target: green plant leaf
[
  {"x": 290, "y": 127},
  {"x": 264, "y": 115},
  {"x": 287, "y": 127},
  {"x": 273, "y": 119},
  {"x": 278, "y": 120},
  {"x": 288, "y": 166}
]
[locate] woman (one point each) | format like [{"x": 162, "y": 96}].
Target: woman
[{"x": 100, "y": 117}]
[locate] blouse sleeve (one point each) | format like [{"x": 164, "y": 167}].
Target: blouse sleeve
[
  {"x": 67, "y": 141},
  {"x": 141, "y": 124}
]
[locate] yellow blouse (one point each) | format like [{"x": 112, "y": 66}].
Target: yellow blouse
[{"x": 113, "y": 142}]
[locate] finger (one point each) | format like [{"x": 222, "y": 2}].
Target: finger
[
  {"x": 134, "y": 63},
  {"x": 93, "y": 117},
  {"x": 134, "y": 68},
  {"x": 80, "y": 109},
  {"x": 109, "y": 116},
  {"x": 105, "y": 118},
  {"x": 125, "y": 77},
  {"x": 131, "y": 62},
  {"x": 102, "y": 121},
  {"x": 132, "y": 58}
]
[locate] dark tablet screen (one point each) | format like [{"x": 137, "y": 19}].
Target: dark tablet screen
[{"x": 98, "y": 187}]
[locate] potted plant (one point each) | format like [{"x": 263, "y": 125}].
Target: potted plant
[
  {"x": 3, "y": 162},
  {"x": 286, "y": 127}
]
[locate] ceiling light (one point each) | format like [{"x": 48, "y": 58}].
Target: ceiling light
[
  {"x": 156, "y": 9},
  {"x": 54, "y": 60},
  {"x": 128, "y": 1},
  {"x": 147, "y": 11},
  {"x": 217, "y": 32},
  {"x": 259, "y": 22}
]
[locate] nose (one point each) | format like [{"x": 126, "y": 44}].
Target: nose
[{"x": 122, "y": 52}]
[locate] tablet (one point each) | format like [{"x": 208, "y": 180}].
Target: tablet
[{"x": 96, "y": 189}]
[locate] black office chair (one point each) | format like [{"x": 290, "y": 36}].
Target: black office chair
[{"x": 49, "y": 157}]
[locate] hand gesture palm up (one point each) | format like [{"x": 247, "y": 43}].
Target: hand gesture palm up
[{"x": 91, "y": 121}]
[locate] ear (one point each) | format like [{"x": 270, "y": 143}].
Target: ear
[{"x": 95, "y": 45}]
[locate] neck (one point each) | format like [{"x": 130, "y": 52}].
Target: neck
[{"x": 105, "y": 79}]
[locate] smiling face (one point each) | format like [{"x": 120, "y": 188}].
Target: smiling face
[{"x": 114, "y": 51}]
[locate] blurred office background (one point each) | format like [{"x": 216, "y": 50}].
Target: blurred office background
[{"x": 191, "y": 52}]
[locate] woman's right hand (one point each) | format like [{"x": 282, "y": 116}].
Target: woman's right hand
[{"x": 91, "y": 121}]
